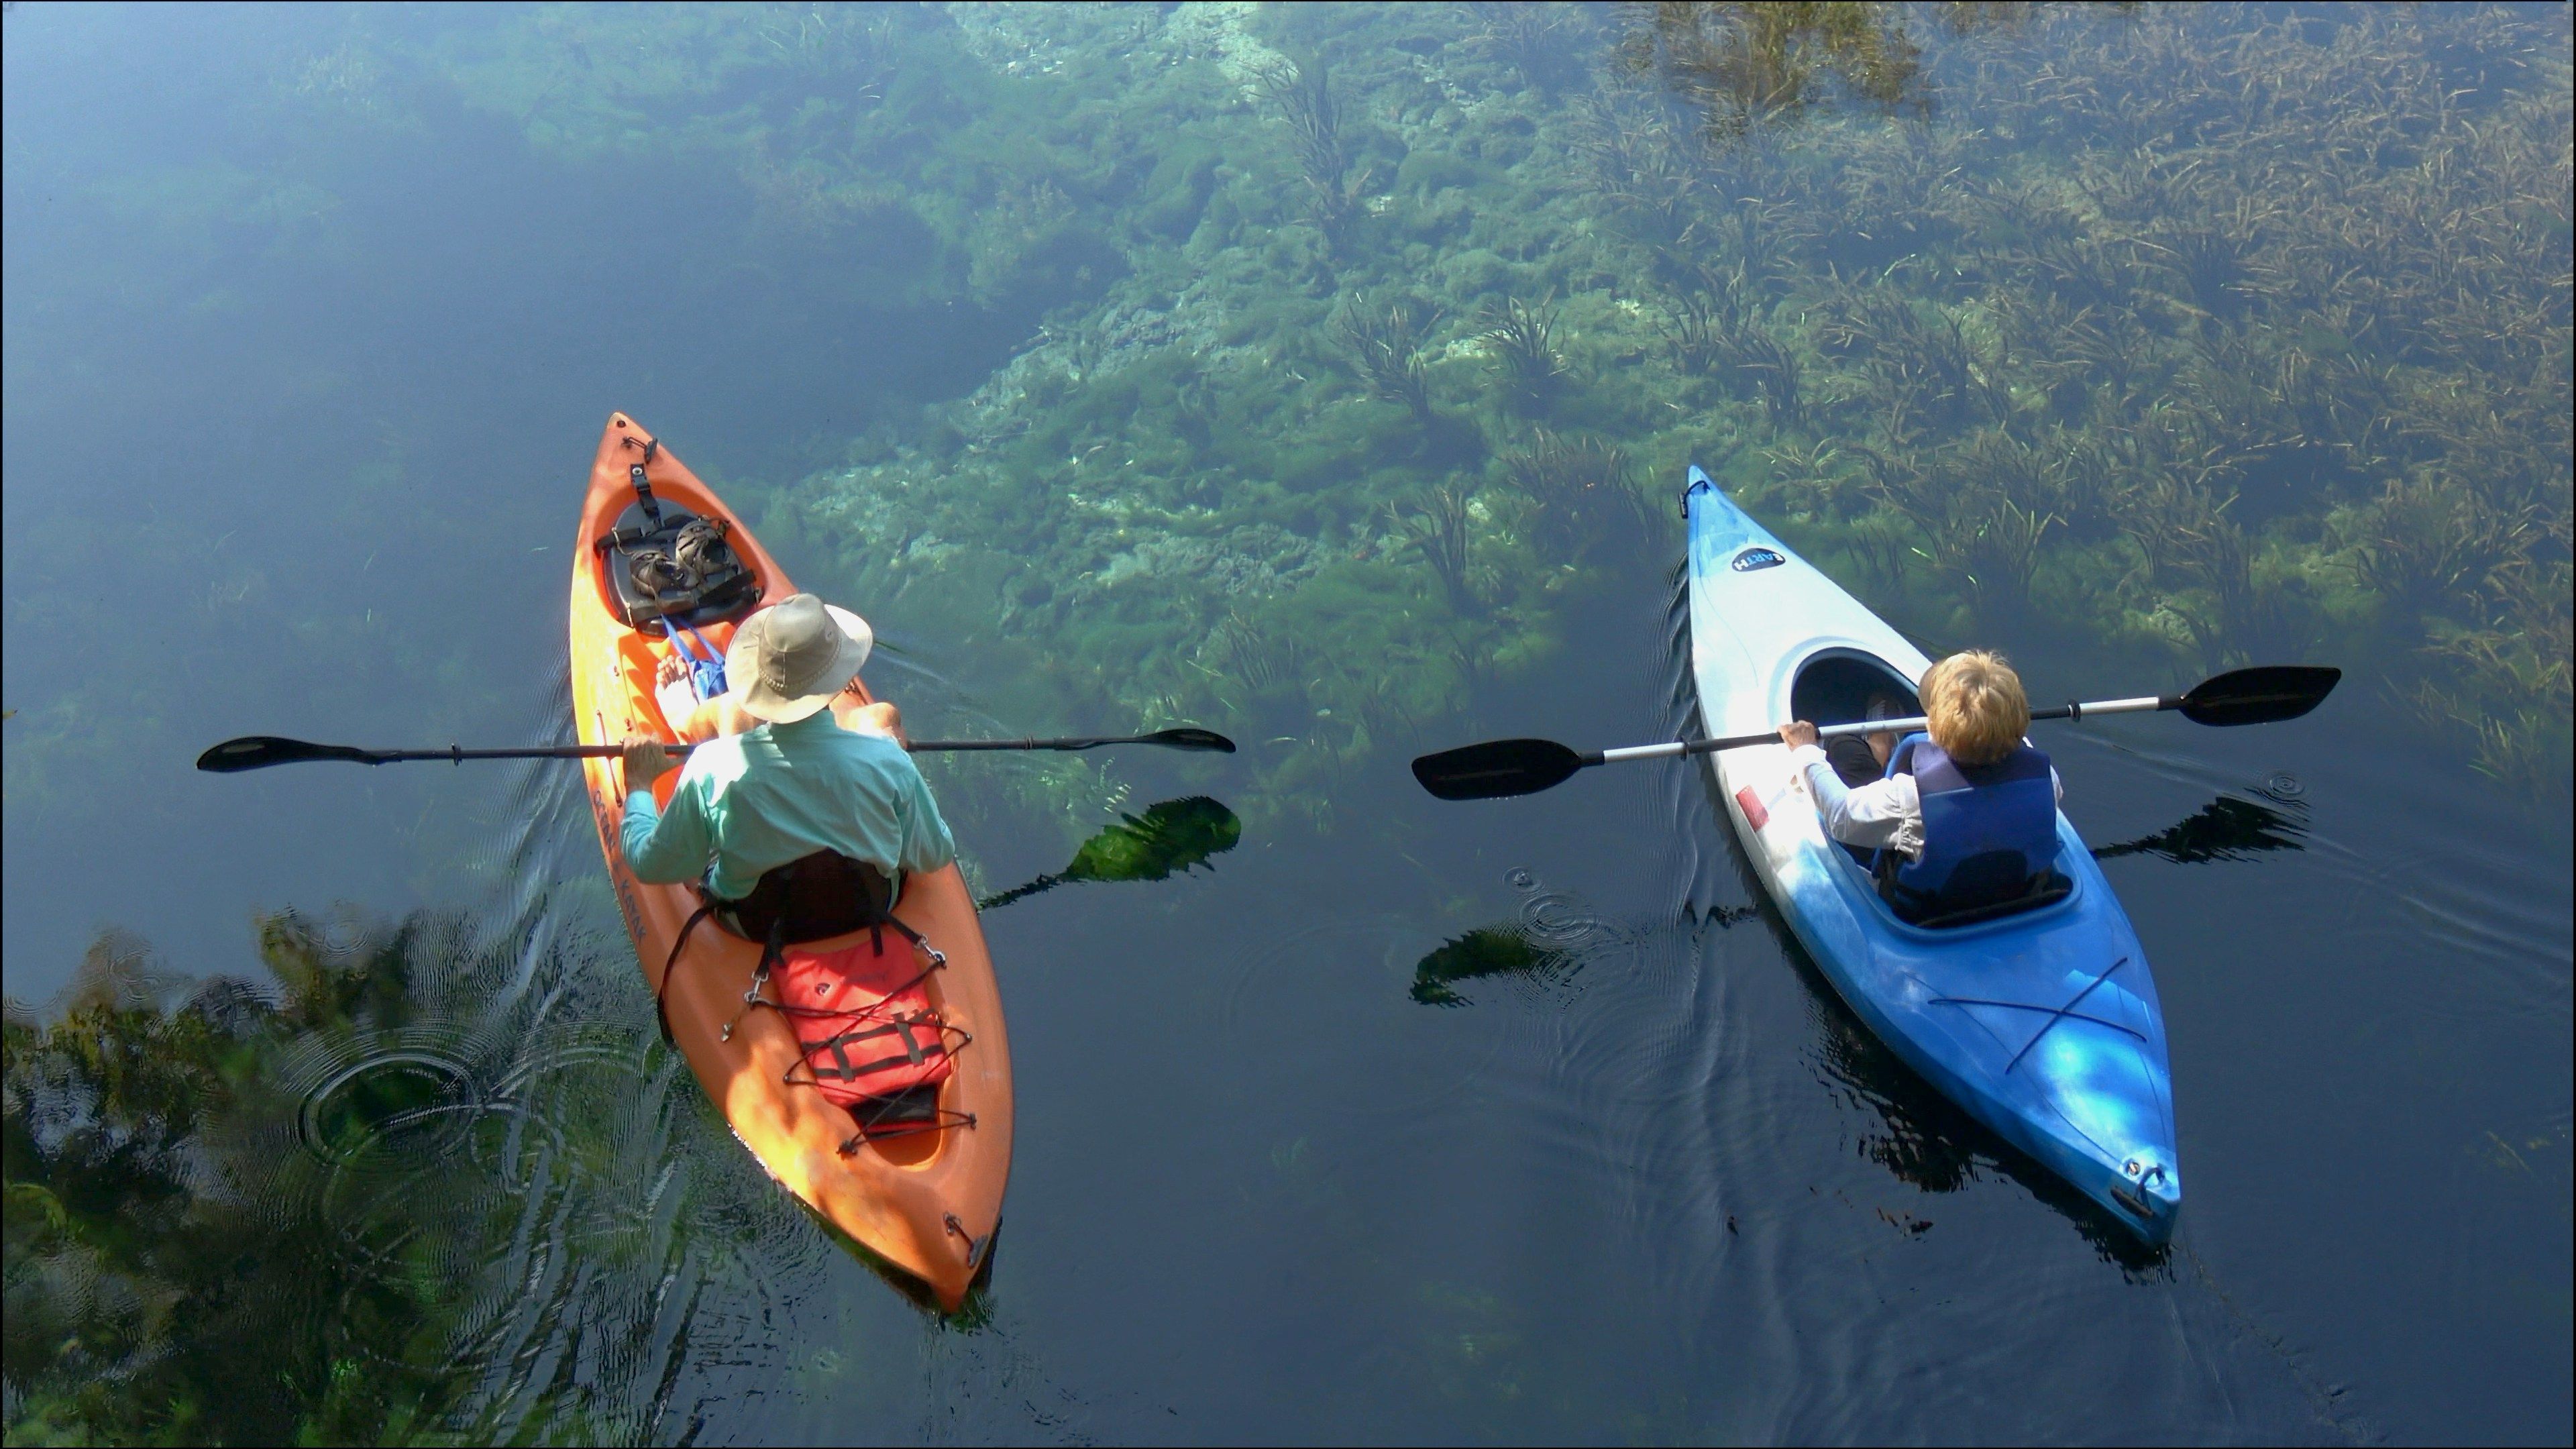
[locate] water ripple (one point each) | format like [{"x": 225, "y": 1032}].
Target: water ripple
[{"x": 1348, "y": 979}]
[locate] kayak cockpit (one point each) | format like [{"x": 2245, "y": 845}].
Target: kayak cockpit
[
  {"x": 1837, "y": 686},
  {"x": 662, "y": 562},
  {"x": 2056, "y": 894},
  {"x": 671, "y": 564}
]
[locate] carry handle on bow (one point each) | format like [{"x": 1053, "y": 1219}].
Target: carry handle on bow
[{"x": 635, "y": 475}]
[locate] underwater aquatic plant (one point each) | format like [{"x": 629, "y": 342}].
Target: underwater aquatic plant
[
  {"x": 2138, "y": 329},
  {"x": 1885, "y": 551},
  {"x": 1579, "y": 493},
  {"x": 1385, "y": 349},
  {"x": 1810, "y": 465},
  {"x": 1032, "y": 250},
  {"x": 2432, "y": 540},
  {"x": 2211, "y": 266},
  {"x": 1696, "y": 329},
  {"x": 2514, "y": 694},
  {"x": 1709, "y": 328},
  {"x": 1639, "y": 168},
  {"x": 1303, "y": 96},
  {"x": 1260, "y": 672},
  {"x": 1261, "y": 659},
  {"x": 1988, "y": 548},
  {"x": 1743, "y": 64},
  {"x": 1926, "y": 376},
  {"x": 1546, "y": 43},
  {"x": 834, "y": 42},
  {"x": 1775, "y": 372},
  {"x": 1521, "y": 340},
  {"x": 2082, "y": 269},
  {"x": 1999, "y": 460},
  {"x": 1438, "y": 527},
  {"x": 2182, "y": 524}
]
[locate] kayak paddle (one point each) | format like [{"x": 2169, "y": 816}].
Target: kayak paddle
[
  {"x": 1183, "y": 738},
  {"x": 258, "y": 752},
  {"x": 1494, "y": 769}
]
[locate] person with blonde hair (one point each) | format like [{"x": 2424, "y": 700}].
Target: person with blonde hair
[{"x": 1964, "y": 822}]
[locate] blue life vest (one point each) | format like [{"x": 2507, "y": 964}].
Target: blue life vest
[{"x": 1989, "y": 831}]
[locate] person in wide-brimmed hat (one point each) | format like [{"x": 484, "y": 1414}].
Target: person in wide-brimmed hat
[
  {"x": 778, "y": 778},
  {"x": 731, "y": 711}
]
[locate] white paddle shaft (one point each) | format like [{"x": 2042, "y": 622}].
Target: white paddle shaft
[{"x": 2145, "y": 705}]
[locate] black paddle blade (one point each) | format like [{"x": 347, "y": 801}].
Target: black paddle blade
[
  {"x": 2264, "y": 694},
  {"x": 1495, "y": 769},
  {"x": 1186, "y": 738},
  {"x": 258, "y": 752}
]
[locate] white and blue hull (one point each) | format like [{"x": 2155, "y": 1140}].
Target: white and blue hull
[{"x": 2043, "y": 1025}]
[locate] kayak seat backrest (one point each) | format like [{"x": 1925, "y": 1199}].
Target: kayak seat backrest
[
  {"x": 810, "y": 898},
  {"x": 874, "y": 1041},
  {"x": 673, "y": 564}
]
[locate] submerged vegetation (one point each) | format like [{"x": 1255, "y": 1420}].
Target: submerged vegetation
[
  {"x": 2187, "y": 335},
  {"x": 1303, "y": 369},
  {"x": 1748, "y": 65}
]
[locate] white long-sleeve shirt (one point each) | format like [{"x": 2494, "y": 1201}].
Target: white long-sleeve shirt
[{"x": 1883, "y": 814}]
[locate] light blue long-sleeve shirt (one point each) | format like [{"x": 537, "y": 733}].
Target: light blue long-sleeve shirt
[{"x": 751, "y": 802}]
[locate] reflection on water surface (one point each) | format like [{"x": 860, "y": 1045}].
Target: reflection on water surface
[
  {"x": 377, "y": 1192},
  {"x": 2227, "y": 828},
  {"x": 1172, "y": 837}
]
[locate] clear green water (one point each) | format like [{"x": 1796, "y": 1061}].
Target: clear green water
[{"x": 1323, "y": 376}]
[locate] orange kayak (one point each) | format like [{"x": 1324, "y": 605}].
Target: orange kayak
[{"x": 929, "y": 1203}]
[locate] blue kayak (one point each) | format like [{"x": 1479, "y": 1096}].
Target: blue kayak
[{"x": 2043, "y": 1025}]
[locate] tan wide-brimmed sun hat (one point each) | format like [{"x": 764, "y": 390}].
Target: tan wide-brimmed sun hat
[{"x": 787, "y": 661}]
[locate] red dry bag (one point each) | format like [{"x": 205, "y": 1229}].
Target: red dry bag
[{"x": 864, "y": 1018}]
